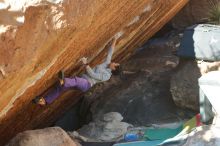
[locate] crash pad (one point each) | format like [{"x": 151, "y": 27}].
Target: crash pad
[
  {"x": 210, "y": 85},
  {"x": 162, "y": 133},
  {"x": 201, "y": 42},
  {"x": 165, "y": 133},
  {"x": 209, "y": 95},
  {"x": 140, "y": 143},
  {"x": 192, "y": 123},
  {"x": 97, "y": 143}
]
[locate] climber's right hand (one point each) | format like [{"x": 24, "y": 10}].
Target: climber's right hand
[
  {"x": 113, "y": 42},
  {"x": 84, "y": 60}
]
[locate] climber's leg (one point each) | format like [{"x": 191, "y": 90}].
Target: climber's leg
[
  {"x": 80, "y": 83},
  {"x": 53, "y": 93}
]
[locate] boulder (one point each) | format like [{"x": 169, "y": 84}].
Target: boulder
[
  {"x": 53, "y": 136},
  {"x": 193, "y": 13},
  {"x": 107, "y": 128},
  {"x": 40, "y": 37},
  {"x": 184, "y": 85}
]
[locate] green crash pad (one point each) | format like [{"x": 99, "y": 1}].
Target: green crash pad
[
  {"x": 192, "y": 123},
  {"x": 166, "y": 133},
  {"x": 162, "y": 133}
]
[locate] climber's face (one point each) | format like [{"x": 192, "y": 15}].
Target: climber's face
[{"x": 113, "y": 65}]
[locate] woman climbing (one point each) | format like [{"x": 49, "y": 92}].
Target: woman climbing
[{"x": 100, "y": 73}]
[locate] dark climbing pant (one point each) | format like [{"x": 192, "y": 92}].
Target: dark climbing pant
[{"x": 69, "y": 83}]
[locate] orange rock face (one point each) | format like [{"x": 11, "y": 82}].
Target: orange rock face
[{"x": 41, "y": 38}]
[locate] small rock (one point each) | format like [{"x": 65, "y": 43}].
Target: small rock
[
  {"x": 112, "y": 116},
  {"x": 171, "y": 63},
  {"x": 109, "y": 129},
  {"x": 184, "y": 83}
]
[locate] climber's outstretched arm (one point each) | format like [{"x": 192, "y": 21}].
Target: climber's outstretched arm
[{"x": 110, "y": 52}]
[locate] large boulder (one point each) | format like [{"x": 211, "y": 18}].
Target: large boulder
[
  {"x": 184, "y": 85},
  {"x": 40, "y": 37},
  {"x": 184, "y": 82},
  {"x": 53, "y": 136}
]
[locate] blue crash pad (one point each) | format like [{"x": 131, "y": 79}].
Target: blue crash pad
[
  {"x": 201, "y": 42},
  {"x": 140, "y": 143}
]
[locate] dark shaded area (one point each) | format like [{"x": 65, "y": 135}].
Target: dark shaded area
[
  {"x": 70, "y": 120},
  {"x": 163, "y": 31}
]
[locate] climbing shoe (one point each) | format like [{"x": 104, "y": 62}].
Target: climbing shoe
[
  {"x": 61, "y": 77},
  {"x": 39, "y": 100}
]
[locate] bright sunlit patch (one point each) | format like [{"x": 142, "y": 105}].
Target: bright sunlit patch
[
  {"x": 20, "y": 19},
  {"x": 3, "y": 6},
  {"x": 147, "y": 8},
  {"x": 212, "y": 93},
  {"x": 207, "y": 136},
  {"x": 136, "y": 19},
  {"x": 3, "y": 29}
]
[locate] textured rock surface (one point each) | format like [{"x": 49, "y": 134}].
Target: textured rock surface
[
  {"x": 194, "y": 12},
  {"x": 143, "y": 96},
  {"x": 53, "y": 136},
  {"x": 204, "y": 136},
  {"x": 184, "y": 83},
  {"x": 107, "y": 128},
  {"x": 38, "y": 38}
]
